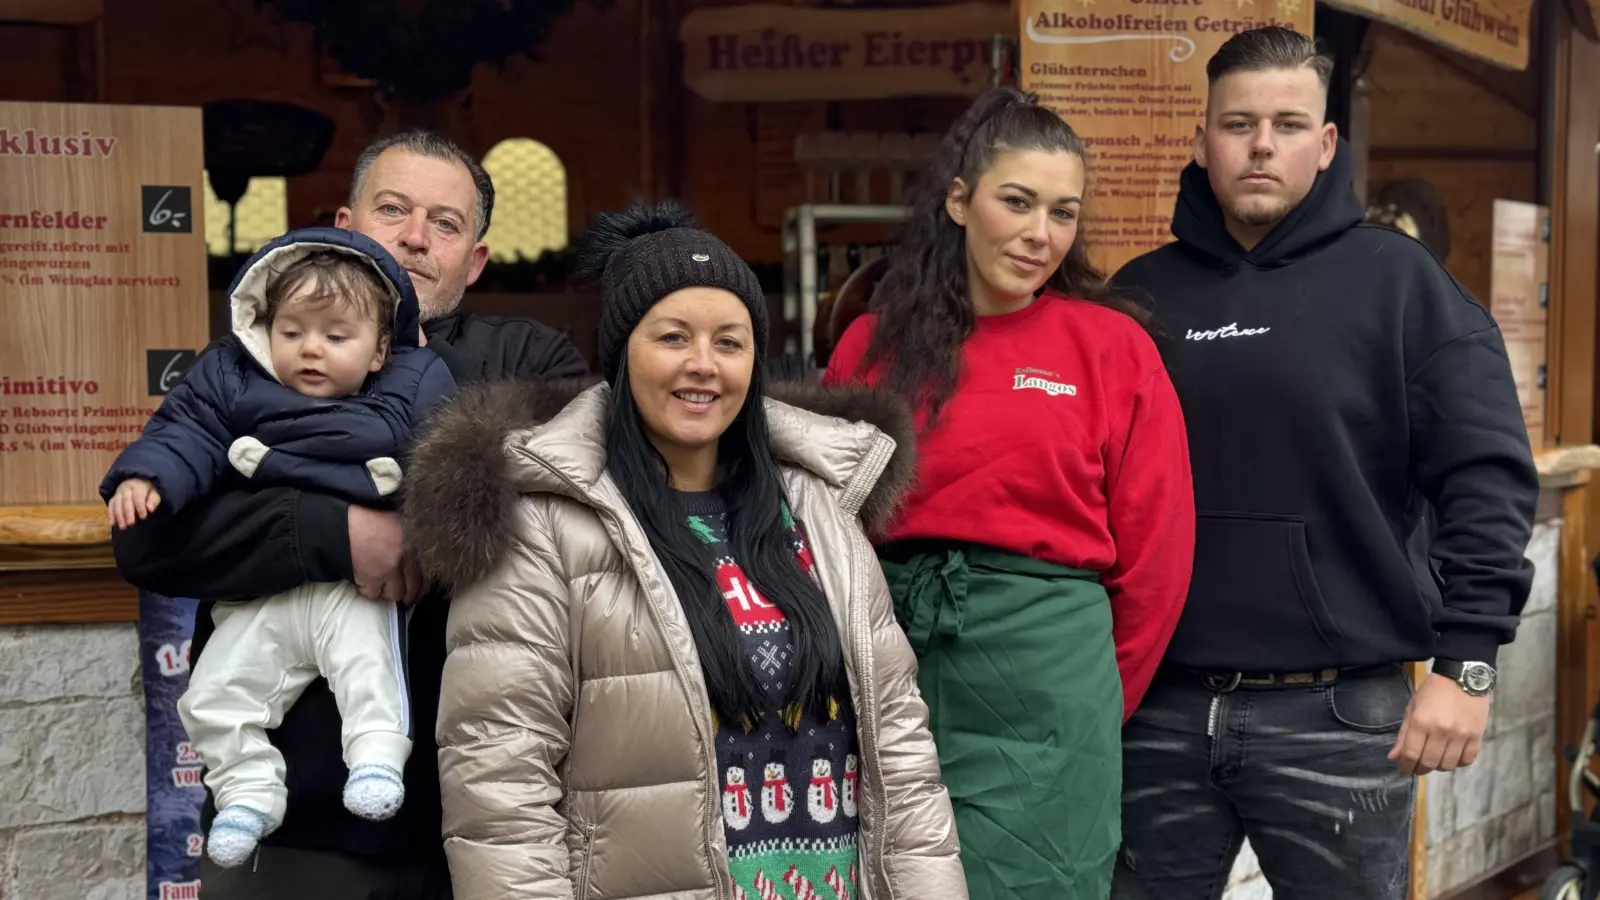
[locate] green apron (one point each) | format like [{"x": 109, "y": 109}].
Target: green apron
[{"x": 1019, "y": 670}]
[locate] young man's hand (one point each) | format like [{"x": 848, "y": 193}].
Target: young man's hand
[
  {"x": 1443, "y": 728},
  {"x": 135, "y": 499}
]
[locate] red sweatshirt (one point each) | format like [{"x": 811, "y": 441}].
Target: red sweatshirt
[{"x": 1064, "y": 441}]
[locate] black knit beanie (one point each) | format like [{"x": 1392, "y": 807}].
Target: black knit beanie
[{"x": 644, "y": 254}]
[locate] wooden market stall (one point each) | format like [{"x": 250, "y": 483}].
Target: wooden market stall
[{"x": 688, "y": 99}]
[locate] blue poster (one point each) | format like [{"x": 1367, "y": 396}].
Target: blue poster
[{"x": 173, "y": 786}]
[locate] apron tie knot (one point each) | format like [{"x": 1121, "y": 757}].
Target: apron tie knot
[{"x": 931, "y": 596}]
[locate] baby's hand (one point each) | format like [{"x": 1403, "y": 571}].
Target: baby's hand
[{"x": 134, "y": 499}]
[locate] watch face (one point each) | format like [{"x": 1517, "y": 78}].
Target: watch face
[{"x": 1478, "y": 677}]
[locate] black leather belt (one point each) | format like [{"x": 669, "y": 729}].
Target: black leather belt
[{"x": 1226, "y": 682}]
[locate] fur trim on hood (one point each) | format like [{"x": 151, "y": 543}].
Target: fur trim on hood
[{"x": 462, "y": 487}]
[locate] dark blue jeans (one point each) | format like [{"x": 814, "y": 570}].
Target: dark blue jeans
[{"x": 1302, "y": 771}]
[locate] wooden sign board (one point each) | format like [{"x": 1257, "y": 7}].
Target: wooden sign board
[
  {"x": 102, "y": 286},
  {"x": 1495, "y": 31},
  {"x": 766, "y": 52},
  {"x": 1519, "y": 278},
  {"x": 1131, "y": 80}
]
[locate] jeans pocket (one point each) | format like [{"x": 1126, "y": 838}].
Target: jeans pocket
[{"x": 1371, "y": 704}]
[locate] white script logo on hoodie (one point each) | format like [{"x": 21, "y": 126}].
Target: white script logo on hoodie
[{"x": 1226, "y": 331}]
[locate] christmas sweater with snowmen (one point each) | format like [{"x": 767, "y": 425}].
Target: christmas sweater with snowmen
[{"x": 789, "y": 783}]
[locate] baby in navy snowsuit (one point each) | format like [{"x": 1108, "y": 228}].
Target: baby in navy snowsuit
[{"x": 320, "y": 388}]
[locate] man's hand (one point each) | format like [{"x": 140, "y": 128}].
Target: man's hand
[
  {"x": 135, "y": 499},
  {"x": 377, "y": 558},
  {"x": 1443, "y": 728}
]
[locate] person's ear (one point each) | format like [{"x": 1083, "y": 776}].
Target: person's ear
[
  {"x": 1330, "y": 145},
  {"x": 480, "y": 258},
  {"x": 955, "y": 201}
]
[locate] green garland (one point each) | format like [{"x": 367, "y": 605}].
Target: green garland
[{"x": 429, "y": 55}]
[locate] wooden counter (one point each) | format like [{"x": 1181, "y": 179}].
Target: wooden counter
[
  {"x": 56, "y": 564},
  {"x": 56, "y": 567}
]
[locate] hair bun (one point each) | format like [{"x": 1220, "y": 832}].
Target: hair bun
[{"x": 612, "y": 231}]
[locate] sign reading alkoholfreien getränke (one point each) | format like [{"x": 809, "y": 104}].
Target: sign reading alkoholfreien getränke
[{"x": 103, "y": 300}]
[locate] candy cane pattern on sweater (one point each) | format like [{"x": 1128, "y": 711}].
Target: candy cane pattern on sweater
[
  {"x": 803, "y": 888},
  {"x": 841, "y": 888},
  {"x": 769, "y": 891}
]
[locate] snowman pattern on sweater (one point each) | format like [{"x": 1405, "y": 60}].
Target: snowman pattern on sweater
[{"x": 789, "y": 782}]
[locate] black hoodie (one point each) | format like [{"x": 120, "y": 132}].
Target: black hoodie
[{"x": 1336, "y": 382}]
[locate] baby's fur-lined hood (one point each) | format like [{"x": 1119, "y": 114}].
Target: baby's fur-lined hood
[
  {"x": 495, "y": 442},
  {"x": 247, "y": 295}
]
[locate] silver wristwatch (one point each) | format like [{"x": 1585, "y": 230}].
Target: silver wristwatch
[{"x": 1476, "y": 678}]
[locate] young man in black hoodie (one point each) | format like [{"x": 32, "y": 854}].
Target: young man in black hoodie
[
  {"x": 428, "y": 202},
  {"x": 1338, "y": 385}
]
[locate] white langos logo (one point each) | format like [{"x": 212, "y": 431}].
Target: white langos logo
[{"x": 1023, "y": 382}]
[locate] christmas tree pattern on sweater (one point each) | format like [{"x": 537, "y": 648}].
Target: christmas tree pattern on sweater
[{"x": 789, "y": 783}]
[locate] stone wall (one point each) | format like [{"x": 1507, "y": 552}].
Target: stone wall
[
  {"x": 71, "y": 764},
  {"x": 1502, "y": 807}
]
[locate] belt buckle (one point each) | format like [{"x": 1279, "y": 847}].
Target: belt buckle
[{"x": 1219, "y": 684}]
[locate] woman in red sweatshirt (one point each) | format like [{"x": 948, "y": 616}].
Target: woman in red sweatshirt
[{"x": 1040, "y": 563}]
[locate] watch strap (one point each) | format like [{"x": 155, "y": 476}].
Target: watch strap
[{"x": 1449, "y": 668}]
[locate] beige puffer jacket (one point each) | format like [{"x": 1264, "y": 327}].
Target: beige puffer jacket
[{"x": 575, "y": 736}]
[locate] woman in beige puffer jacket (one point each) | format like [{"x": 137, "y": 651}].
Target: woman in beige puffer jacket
[{"x": 580, "y": 755}]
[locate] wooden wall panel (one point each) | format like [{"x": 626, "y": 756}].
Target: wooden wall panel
[
  {"x": 1469, "y": 189},
  {"x": 581, "y": 97},
  {"x": 1416, "y": 130},
  {"x": 34, "y": 56},
  {"x": 1420, "y": 92},
  {"x": 617, "y": 117}
]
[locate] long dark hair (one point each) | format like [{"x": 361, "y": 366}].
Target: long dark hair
[
  {"x": 758, "y": 532},
  {"x": 924, "y": 310}
]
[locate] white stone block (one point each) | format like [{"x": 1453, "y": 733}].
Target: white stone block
[
  {"x": 1527, "y": 674},
  {"x": 1472, "y": 786},
  {"x": 1441, "y": 802},
  {"x": 1544, "y": 551},
  {"x": 46, "y": 663},
  {"x": 1546, "y": 816},
  {"x": 1542, "y": 748},
  {"x": 1458, "y": 860},
  {"x": 1513, "y": 773},
  {"x": 5, "y": 862},
  {"x": 1516, "y": 835},
  {"x": 61, "y": 762},
  {"x": 80, "y": 862}
]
